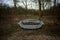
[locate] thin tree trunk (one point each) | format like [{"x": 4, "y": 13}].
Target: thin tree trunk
[
  {"x": 40, "y": 12},
  {"x": 54, "y": 3},
  {"x": 14, "y": 3},
  {"x": 54, "y": 6},
  {"x": 43, "y": 8},
  {"x": 26, "y": 4}
]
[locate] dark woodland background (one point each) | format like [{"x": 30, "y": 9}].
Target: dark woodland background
[{"x": 10, "y": 16}]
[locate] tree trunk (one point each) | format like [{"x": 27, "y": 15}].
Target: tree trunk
[
  {"x": 54, "y": 3},
  {"x": 40, "y": 12},
  {"x": 14, "y": 3},
  {"x": 43, "y": 8},
  {"x": 26, "y": 4}
]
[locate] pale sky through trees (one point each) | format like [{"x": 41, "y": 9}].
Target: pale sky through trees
[{"x": 30, "y": 6}]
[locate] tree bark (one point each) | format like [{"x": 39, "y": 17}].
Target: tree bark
[
  {"x": 14, "y": 3},
  {"x": 40, "y": 12},
  {"x": 26, "y": 5},
  {"x": 54, "y": 3}
]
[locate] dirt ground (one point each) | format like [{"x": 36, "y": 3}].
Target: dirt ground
[
  {"x": 30, "y": 35},
  {"x": 43, "y": 33}
]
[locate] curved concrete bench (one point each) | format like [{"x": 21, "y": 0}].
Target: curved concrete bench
[{"x": 30, "y": 26}]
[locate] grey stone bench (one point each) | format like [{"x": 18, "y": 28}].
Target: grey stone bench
[{"x": 30, "y": 26}]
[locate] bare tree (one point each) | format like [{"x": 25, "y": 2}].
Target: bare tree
[
  {"x": 15, "y": 3},
  {"x": 39, "y": 1},
  {"x": 54, "y": 2},
  {"x": 43, "y": 5},
  {"x": 40, "y": 12},
  {"x": 40, "y": 5},
  {"x": 25, "y": 3}
]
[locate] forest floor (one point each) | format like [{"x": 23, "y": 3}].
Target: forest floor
[{"x": 49, "y": 31}]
